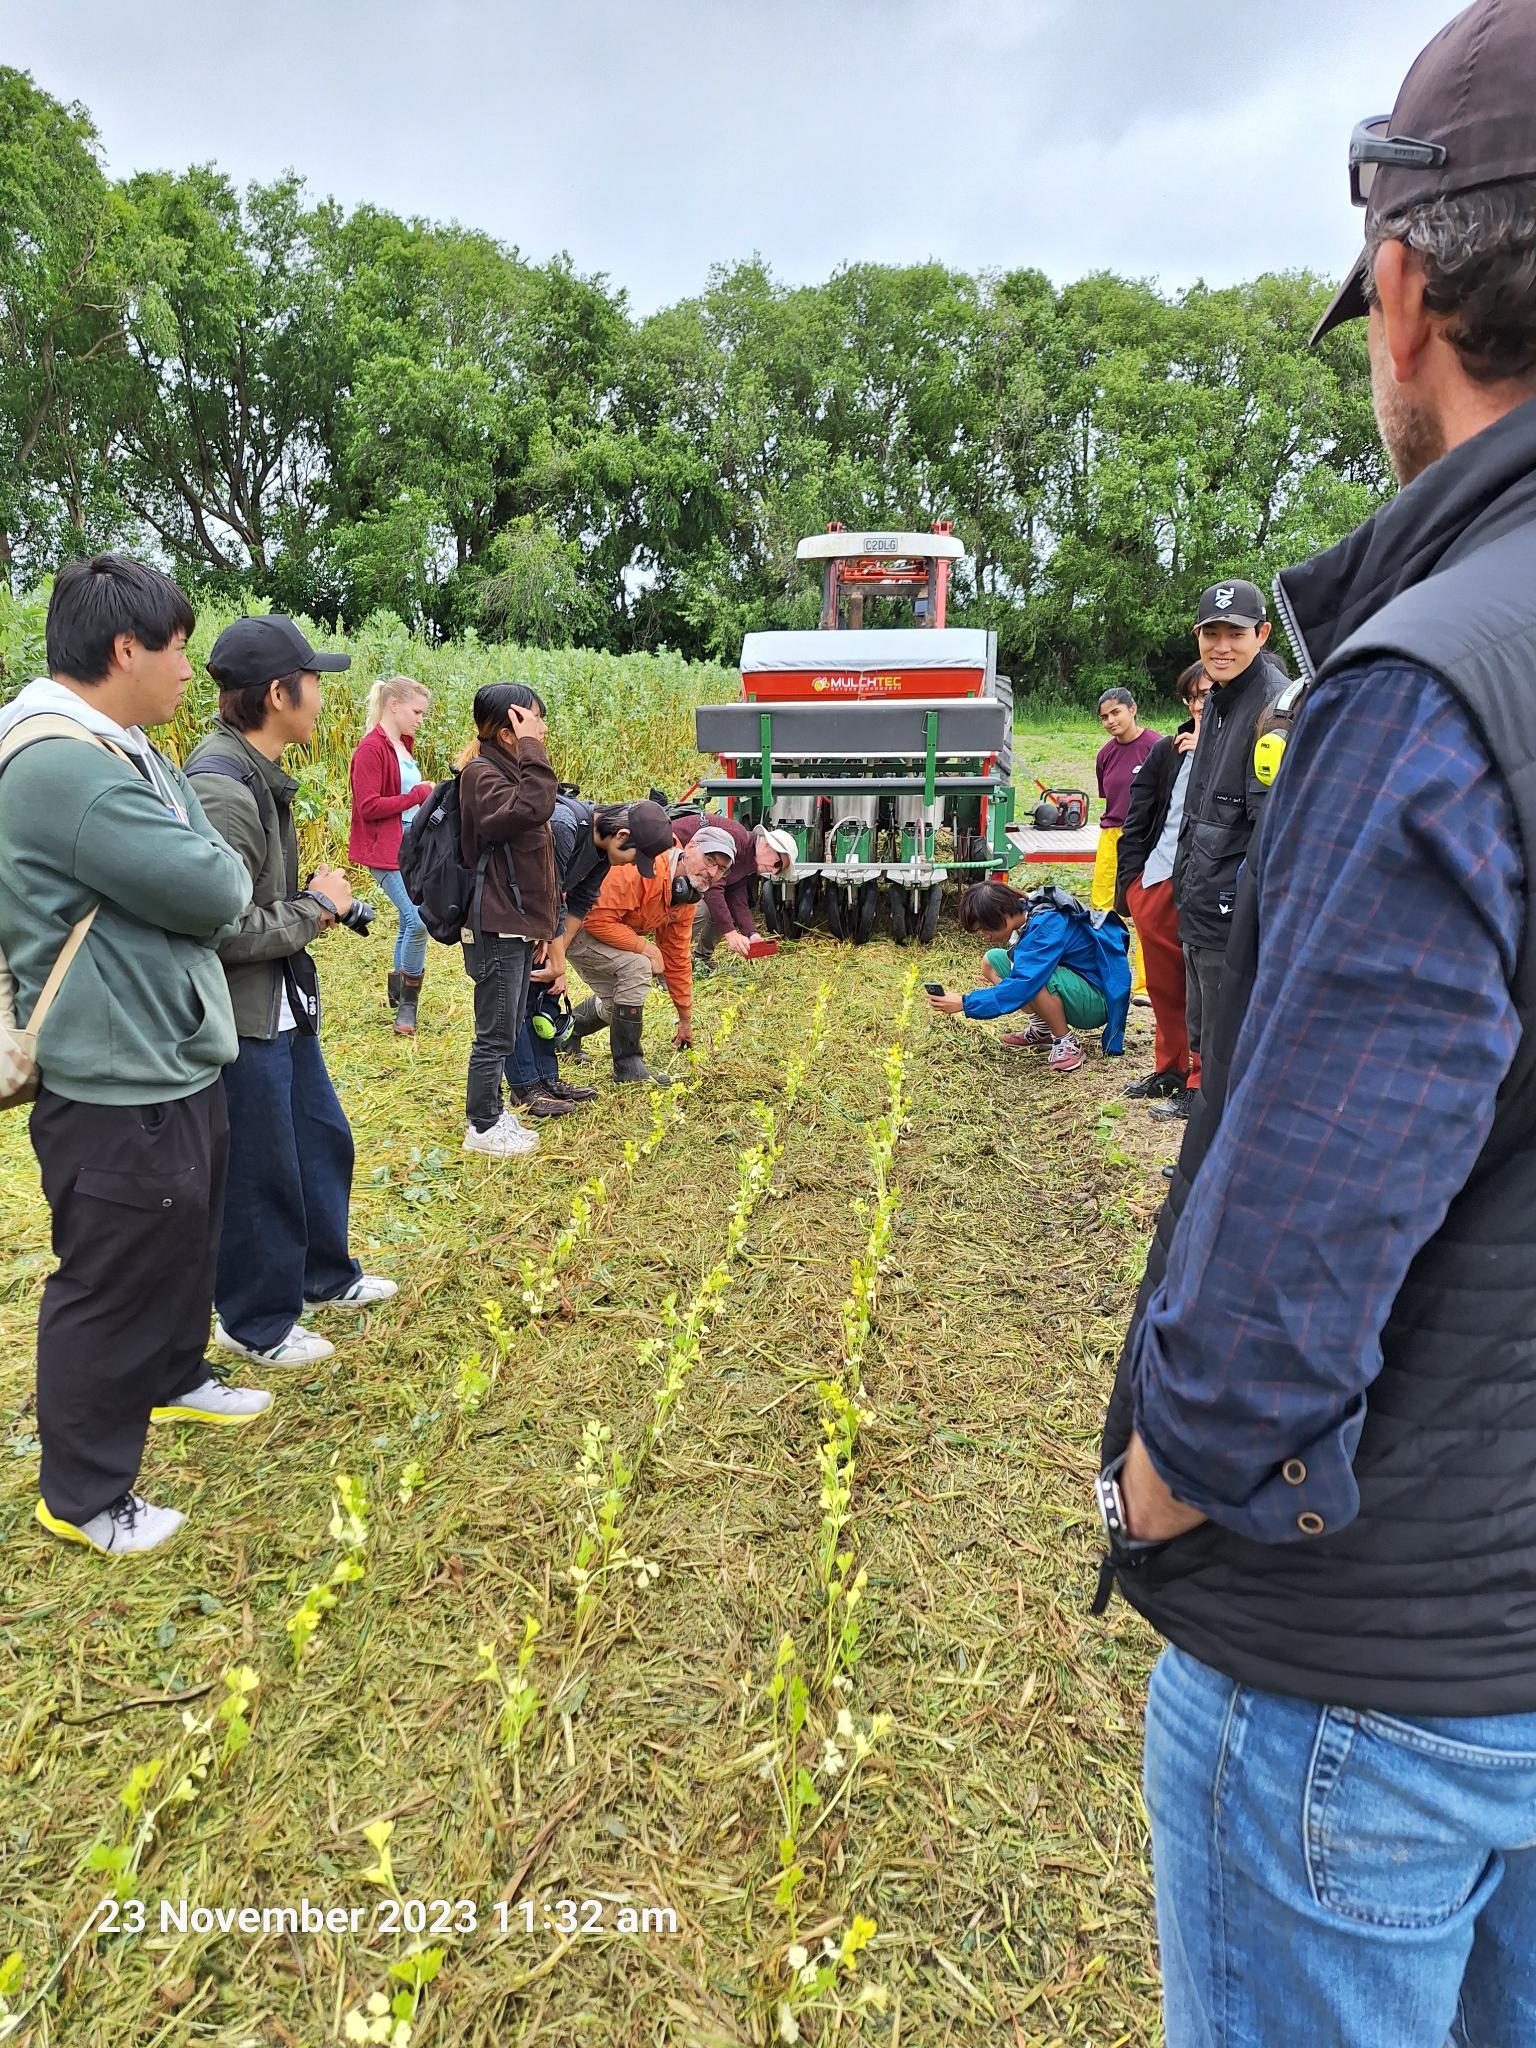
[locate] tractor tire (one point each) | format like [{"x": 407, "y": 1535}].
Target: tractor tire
[
  {"x": 933, "y": 903},
  {"x": 864, "y": 915},
  {"x": 901, "y": 918}
]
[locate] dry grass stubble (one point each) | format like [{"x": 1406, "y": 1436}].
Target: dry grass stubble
[{"x": 994, "y": 1834}]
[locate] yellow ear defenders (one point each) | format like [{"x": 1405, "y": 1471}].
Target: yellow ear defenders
[
  {"x": 1269, "y": 747},
  {"x": 1268, "y": 751}
]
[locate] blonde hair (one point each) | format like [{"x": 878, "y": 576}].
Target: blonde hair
[{"x": 392, "y": 690}]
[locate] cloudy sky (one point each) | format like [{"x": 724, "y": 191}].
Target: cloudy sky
[{"x": 651, "y": 138}]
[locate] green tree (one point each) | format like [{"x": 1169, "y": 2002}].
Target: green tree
[
  {"x": 220, "y": 448},
  {"x": 62, "y": 304}
]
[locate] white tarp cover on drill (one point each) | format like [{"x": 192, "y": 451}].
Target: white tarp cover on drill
[{"x": 907, "y": 647}]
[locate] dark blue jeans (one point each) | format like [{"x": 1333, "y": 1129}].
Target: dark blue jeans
[
  {"x": 284, "y": 1240},
  {"x": 499, "y": 969},
  {"x": 533, "y": 1060}
]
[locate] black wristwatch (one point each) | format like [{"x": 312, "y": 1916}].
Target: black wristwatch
[{"x": 1123, "y": 1551}]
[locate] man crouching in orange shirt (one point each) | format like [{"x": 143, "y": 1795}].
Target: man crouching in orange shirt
[{"x": 640, "y": 926}]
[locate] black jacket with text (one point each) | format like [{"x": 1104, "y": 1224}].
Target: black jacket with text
[{"x": 1223, "y": 803}]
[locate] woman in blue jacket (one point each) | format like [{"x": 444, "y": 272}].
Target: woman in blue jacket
[{"x": 1047, "y": 954}]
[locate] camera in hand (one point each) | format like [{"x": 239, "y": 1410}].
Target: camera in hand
[{"x": 357, "y": 918}]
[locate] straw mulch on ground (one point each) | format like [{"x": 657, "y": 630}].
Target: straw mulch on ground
[{"x": 990, "y": 1828}]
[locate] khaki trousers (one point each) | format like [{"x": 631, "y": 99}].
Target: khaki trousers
[{"x": 613, "y": 975}]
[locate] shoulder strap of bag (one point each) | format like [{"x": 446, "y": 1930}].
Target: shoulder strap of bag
[
  {"x": 28, "y": 732},
  {"x": 52, "y": 725},
  {"x": 60, "y": 968},
  {"x": 232, "y": 769}
]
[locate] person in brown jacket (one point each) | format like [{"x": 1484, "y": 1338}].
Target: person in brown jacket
[
  {"x": 507, "y": 792},
  {"x": 640, "y": 926}
]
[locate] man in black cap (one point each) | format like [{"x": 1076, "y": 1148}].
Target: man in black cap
[
  {"x": 1224, "y": 798},
  {"x": 284, "y": 1243},
  {"x": 1320, "y": 1459}
]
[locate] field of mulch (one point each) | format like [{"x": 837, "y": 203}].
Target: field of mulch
[{"x": 707, "y": 1652}]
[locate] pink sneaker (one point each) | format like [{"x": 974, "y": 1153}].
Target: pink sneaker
[
  {"x": 1066, "y": 1056},
  {"x": 1037, "y": 1035}
]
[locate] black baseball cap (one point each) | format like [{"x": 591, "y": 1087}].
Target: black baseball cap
[
  {"x": 261, "y": 650},
  {"x": 1463, "y": 118},
  {"x": 1232, "y": 604},
  {"x": 650, "y": 833}
]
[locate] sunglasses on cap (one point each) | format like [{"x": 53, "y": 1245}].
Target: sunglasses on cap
[{"x": 1372, "y": 146}]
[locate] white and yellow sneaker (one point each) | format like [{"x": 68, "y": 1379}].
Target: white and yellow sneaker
[
  {"x": 131, "y": 1523},
  {"x": 215, "y": 1401}
]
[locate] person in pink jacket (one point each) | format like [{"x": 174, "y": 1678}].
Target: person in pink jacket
[{"x": 386, "y": 788}]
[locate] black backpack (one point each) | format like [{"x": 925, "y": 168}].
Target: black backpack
[{"x": 443, "y": 889}]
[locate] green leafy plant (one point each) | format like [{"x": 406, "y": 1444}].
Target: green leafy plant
[
  {"x": 349, "y": 1531},
  {"x": 383, "y": 2019},
  {"x": 541, "y": 1279},
  {"x": 815, "y": 1980},
  {"x": 518, "y": 1697},
  {"x": 789, "y": 1708}
]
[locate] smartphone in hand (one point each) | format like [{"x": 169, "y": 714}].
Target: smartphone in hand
[{"x": 934, "y": 988}]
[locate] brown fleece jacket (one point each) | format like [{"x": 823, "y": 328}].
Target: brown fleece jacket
[{"x": 506, "y": 797}]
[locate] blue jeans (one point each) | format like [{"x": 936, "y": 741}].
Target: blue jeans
[
  {"x": 411, "y": 944},
  {"x": 499, "y": 970},
  {"x": 284, "y": 1240},
  {"x": 1336, "y": 1878},
  {"x": 533, "y": 1060}
]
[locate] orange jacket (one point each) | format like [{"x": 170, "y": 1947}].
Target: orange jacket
[{"x": 629, "y": 910}]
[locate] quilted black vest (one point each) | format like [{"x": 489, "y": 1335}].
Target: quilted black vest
[{"x": 1426, "y": 1603}]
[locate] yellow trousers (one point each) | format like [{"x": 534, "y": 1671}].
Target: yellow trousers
[{"x": 1102, "y": 897}]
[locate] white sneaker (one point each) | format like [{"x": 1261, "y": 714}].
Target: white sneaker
[
  {"x": 507, "y": 1139},
  {"x": 299, "y": 1347},
  {"x": 213, "y": 1401},
  {"x": 366, "y": 1290},
  {"x": 131, "y": 1523}
]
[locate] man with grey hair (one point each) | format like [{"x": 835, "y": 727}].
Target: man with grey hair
[
  {"x": 726, "y": 913},
  {"x": 1320, "y": 1460}
]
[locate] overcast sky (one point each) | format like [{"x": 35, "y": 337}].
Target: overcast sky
[{"x": 1174, "y": 139}]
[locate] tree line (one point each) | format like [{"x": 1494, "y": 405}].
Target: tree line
[{"x": 351, "y": 412}]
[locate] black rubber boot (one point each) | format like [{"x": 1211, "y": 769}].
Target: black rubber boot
[
  {"x": 405, "y": 1016},
  {"x": 396, "y": 983},
  {"x": 628, "y": 1063}
]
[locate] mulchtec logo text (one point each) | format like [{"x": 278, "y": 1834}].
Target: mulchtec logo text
[{"x": 856, "y": 685}]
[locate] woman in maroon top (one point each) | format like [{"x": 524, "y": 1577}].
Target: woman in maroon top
[
  {"x": 386, "y": 788},
  {"x": 1118, "y": 763}
]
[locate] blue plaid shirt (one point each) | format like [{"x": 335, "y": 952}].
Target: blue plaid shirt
[{"x": 1391, "y": 904}]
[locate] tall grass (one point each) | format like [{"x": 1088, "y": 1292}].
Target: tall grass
[{"x": 619, "y": 724}]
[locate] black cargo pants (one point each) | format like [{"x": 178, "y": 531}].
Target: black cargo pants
[{"x": 137, "y": 1198}]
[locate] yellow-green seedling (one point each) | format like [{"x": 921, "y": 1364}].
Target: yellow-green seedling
[
  {"x": 349, "y": 1531},
  {"x": 518, "y": 1699}
]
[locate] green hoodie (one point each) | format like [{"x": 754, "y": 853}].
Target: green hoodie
[{"x": 143, "y": 1015}]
